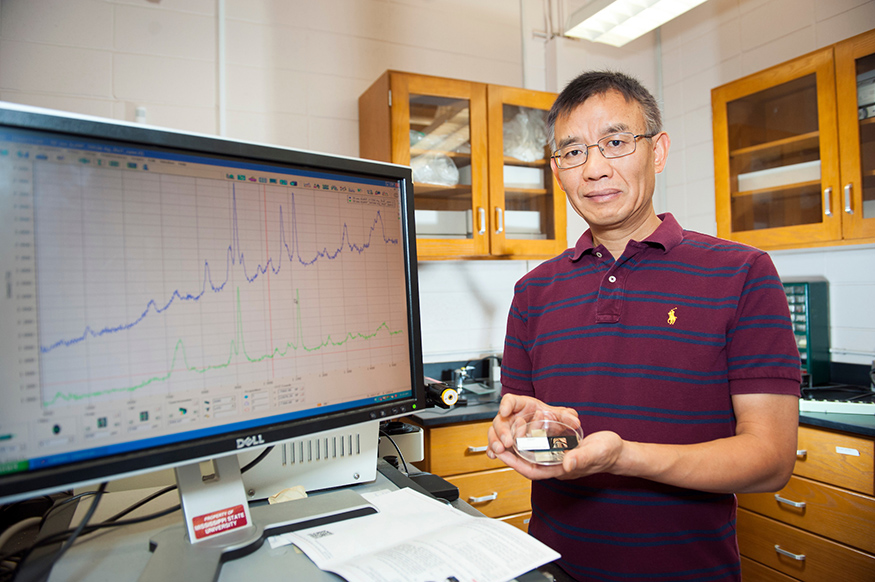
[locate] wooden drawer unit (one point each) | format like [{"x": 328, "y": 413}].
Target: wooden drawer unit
[
  {"x": 457, "y": 452},
  {"x": 755, "y": 572},
  {"x": 519, "y": 520},
  {"x": 458, "y": 448},
  {"x": 496, "y": 492},
  {"x": 844, "y": 516},
  {"x": 801, "y": 554},
  {"x": 821, "y": 525},
  {"x": 837, "y": 458}
]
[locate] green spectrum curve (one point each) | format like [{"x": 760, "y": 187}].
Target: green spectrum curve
[{"x": 238, "y": 347}]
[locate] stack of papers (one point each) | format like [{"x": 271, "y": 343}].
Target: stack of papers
[{"x": 414, "y": 538}]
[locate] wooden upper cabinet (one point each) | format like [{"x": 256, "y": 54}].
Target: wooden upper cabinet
[
  {"x": 481, "y": 188},
  {"x": 793, "y": 158},
  {"x": 855, "y": 92}
]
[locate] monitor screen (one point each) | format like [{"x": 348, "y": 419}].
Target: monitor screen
[{"x": 169, "y": 297}]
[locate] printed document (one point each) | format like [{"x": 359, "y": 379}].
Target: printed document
[{"x": 415, "y": 538}]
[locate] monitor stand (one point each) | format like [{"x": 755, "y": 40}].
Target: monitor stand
[{"x": 175, "y": 557}]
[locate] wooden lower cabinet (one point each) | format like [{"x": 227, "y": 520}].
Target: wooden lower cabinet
[
  {"x": 755, "y": 572},
  {"x": 519, "y": 520},
  {"x": 495, "y": 493},
  {"x": 821, "y": 526},
  {"x": 457, "y": 452}
]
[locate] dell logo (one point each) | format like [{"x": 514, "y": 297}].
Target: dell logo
[{"x": 250, "y": 441}]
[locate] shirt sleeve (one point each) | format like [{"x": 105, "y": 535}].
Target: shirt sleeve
[{"x": 762, "y": 356}]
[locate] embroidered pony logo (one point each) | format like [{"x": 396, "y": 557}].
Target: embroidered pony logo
[{"x": 672, "y": 318}]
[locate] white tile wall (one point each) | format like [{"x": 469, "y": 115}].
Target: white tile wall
[
  {"x": 295, "y": 69},
  {"x": 450, "y": 292},
  {"x": 850, "y": 272}
]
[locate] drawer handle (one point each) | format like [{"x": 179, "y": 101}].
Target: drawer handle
[
  {"x": 799, "y": 504},
  {"x": 783, "y": 552},
  {"x": 491, "y": 497},
  {"x": 801, "y": 453},
  {"x": 482, "y": 449}
]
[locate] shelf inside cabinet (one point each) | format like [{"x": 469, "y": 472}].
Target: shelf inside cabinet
[
  {"x": 437, "y": 197},
  {"x": 512, "y": 191},
  {"x": 510, "y": 161},
  {"x": 441, "y": 191},
  {"x": 414, "y": 152},
  {"x": 782, "y": 147},
  {"x": 777, "y": 189}
]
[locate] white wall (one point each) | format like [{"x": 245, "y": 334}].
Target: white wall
[{"x": 295, "y": 68}]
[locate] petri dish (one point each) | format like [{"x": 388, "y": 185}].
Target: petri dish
[{"x": 544, "y": 440}]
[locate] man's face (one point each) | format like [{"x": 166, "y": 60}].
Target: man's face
[{"x": 610, "y": 193}]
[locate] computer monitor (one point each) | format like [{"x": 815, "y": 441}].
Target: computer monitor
[{"x": 170, "y": 298}]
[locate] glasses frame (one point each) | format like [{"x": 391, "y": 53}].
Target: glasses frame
[{"x": 598, "y": 144}]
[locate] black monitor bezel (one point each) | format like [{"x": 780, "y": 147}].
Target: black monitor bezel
[{"x": 61, "y": 477}]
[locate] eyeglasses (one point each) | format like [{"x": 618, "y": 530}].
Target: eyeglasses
[{"x": 612, "y": 146}]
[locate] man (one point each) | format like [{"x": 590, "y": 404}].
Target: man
[{"x": 670, "y": 349}]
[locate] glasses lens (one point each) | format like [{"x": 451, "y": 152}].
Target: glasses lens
[
  {"x": 617, "y": 145},
  {"x": 571, "y": 155}
]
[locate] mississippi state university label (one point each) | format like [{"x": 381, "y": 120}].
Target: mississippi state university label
[{"x": 219, "y": 522}]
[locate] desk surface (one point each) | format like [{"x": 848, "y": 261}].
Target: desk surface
[{"x": 116, "y": 555}]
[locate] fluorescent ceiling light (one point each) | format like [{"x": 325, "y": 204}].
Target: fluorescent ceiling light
[{"x": 616, "y": 22}]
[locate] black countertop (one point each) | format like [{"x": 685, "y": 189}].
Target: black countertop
[{"x": 485, "y": 407}]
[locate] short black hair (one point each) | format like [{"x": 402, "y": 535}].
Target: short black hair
[{"x": 594, "y": 83}]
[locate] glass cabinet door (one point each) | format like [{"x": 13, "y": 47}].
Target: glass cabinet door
[
  {"x": 528, "y": 208},
  {"x": 855, "y": 82},
  {"x": 779, "y": 138},
  {"x": 774, "y": 153},
  {"x": 440, "y": 157},
  {"x": 440, "y": 131}
]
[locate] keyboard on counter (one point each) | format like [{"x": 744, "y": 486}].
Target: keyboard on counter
[
  {"x": 837, "y": 406},
  {"x": 838, "y": 398}
]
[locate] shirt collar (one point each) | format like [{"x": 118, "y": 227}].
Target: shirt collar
[{"x": 667, "y": 235}]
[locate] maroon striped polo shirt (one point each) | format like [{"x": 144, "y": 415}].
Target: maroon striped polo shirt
[{"x": 651, "y": 346}]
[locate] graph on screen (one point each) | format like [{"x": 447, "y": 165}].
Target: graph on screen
[{"x": 146, "y": 291}]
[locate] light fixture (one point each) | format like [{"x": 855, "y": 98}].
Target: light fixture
[{"x": 616, "y": 22}]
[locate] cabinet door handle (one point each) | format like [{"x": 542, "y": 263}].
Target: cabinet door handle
[
  {"x": 482, "y": 212},
  {"x": 783, "y": 552},
  {"x": 848, "y": 209},
  {"x": 799, "y": 504},
  {"x": 499, "y": 216},
  {"x": 801, "y": 453},
  {"x": 827, "y": 194},
  {"x": 483, "y": 449},
  {"x": 491, "y": 497}
]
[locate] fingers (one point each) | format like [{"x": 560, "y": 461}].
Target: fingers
[
  {"x": 510, "y": 404},
  {"x": 530, "y": 470}
]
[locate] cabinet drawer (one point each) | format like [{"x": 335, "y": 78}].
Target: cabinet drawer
[
  {"x": 838, "y": 459},
  {"x": 460, "y": 448},
  {"x": 519, "y": 520},
  {"x": 823, "y": 560},
  {"x": 495, "y": 493},
  {"x": 844, "y": 516},
  {"x": 755, "y": 572}
]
